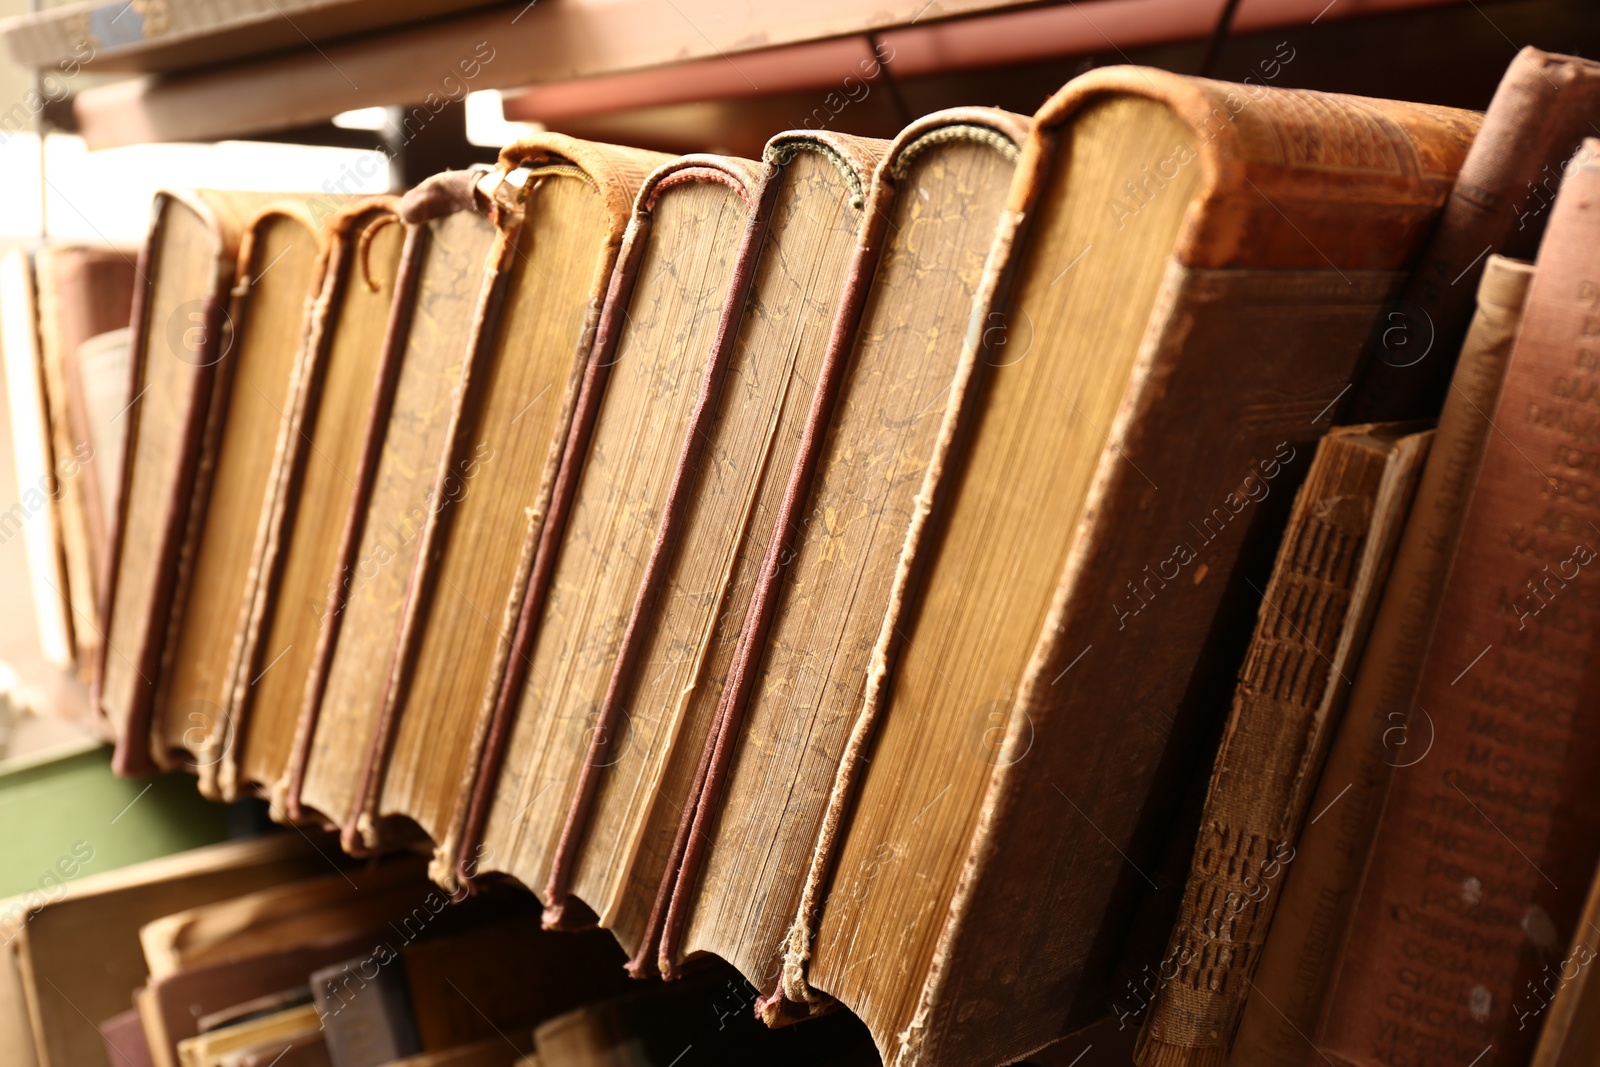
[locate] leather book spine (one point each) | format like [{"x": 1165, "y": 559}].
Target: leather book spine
[
  {"x": 1371, "y": 741},
  {"x": 1336, "y": 548},
  {"x": 759, "y": 202},
  {"x": 1543, "y": 108},
  {"x": 366, "y": 1016},
  {"x": 1486, "y": 845}
]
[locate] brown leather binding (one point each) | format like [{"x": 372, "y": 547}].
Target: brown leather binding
[
  {"x": 744, "y": 180},
  {"x": 144, "y": 649},
  {"x": 1544, "y": 107},
  {"x": 681, "y": 881},
  {"x": 347, "y": 239},
  {"x": 1483, "y": 853}
]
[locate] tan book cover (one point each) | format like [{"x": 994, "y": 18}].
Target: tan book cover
[
  {"x": 283, "y": 256},
  {"x": 180, "y": 331},
  {"x": 660, "y": 357}
]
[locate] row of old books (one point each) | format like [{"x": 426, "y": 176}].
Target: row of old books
[
  {"x": 841, "y": 563},
  {"x": 271, "y": 953}
]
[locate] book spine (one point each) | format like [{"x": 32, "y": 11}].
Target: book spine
[
  {"x": 1541, "y": 111},
  {"x": 1257, "y": 792},
  {"x": 1486, "y": 844},
  {"x": 1370, "y": 740}
]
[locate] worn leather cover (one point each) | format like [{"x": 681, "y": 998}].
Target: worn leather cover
[
  {"x": 1544, "y": 107},
  {"x": 855, "y": 158},
  {"x": 212, "y": 750},
  {"x": 346, "y": 243},
  {"x": 139, "y": 641},
  {"x": 1371, "y": 742},
  {"x": 745, "y": 179},
  {"x": 1223, "y": 377},
  {"x": 676, "y": 894},
  {"x": 1485, "y": 848},
  {"x": 615, "y": 172}
]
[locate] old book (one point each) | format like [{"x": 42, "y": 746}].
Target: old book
[
  {"x": 36, "y": 515},
  {"x": 824, "y": 582},
  {"x": 658, "y": 358},
  {"x": 660, "y": 702},
  {"x": 181, "y": 331},
  {"x": 309, "y": 910},
  {"x": 708, "y": 1011},
  {"x": 209, "y": 1049},
  {"x": 1372, "y": 739},
  {"x": 282, "y": 258},
  {"x": 365, "y": 1012},
  {"x": 504, "y": 976},
  {"x": 98, "y": 917},
  {"x": 1544, "y": 107},
  {"x": 170, "y": 1007},
  {"x": 97, "y": 398},
  {"x": 1483, "y": 851},
  {"x": 306, "y": 1050},
  {"x": 560, "y": 209},
  {"x": 1081, "y": 551},
  {"x": 125, "y": 1042},
  {"x": 454, "y": 986},
  {"x": 1566, "y": 997},
  {"x": 84, "y": 291},
  {"x": 439, "y": 294},
  {"x": 1316, "y": 611},
  {"x": 313, "y": 480}
]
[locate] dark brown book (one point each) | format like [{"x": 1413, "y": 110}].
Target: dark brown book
[
  {"x": 1066, "y": 627},
  {"x": 84, "y": 291},
  {"x": 560, "y": 206},
  {"x": 181, "y": 332},
  {"x": 313, "y": 480},
  {"x": 658, "y": 360},
  {"x": 707, "y": 1011},
  {"x": 1486, "y": 845},
  {"x": 1544, "y": 107},
  {"x": 366, "y": 1012},
  {"x": 1316, "y": 611},
  {"x": 824, "y": 582},
  {"x": 635, "y": 791},
  {"x": 1315, "y": 893}
]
